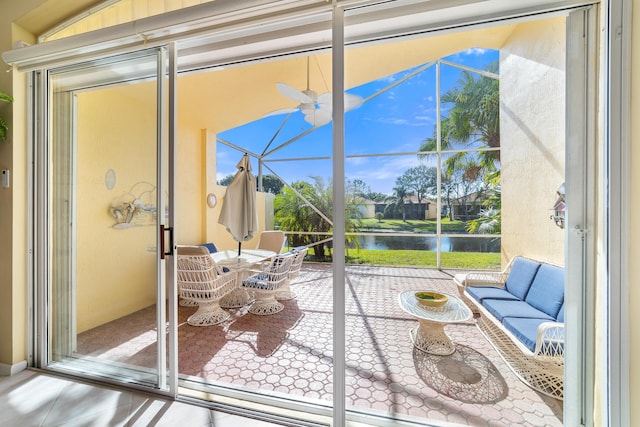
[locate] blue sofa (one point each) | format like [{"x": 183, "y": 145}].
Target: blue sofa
[{"x": 521, "y": 311}]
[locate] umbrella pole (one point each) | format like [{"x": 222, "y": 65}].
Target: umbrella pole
[{"x": 239, "y": 246}]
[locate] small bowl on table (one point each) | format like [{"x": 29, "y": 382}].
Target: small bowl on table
[{"x": 431, "y": 299}]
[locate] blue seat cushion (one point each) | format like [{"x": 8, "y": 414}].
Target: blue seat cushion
[
  {"x": 257, "y": 281},
  {"x": 276, "y": 261},
  {"x": 509, "y": 308},
  {"x": 526, "y": 331},
  {"x": 212, "y": 250},
  {"x": 547, "y": 290},
  {"x": 480, "y": 293},
  {"x": 521, "y": 276}
]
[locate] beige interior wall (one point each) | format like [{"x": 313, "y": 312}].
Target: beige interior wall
[
  {"x": 6, "y": 220},
  {"x": 532, "y": 88},
  {"x": 19, "y": 210},
  {"x": 634, "y": 234},
  {"x": 13, "y": 207}
]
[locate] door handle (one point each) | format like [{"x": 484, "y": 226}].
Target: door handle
[{"x": 164, "y": 230}]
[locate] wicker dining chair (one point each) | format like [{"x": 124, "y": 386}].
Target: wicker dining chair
[
  {"x": 272, "y": 240},
  {"x": 265, "y": 283},
  {"x": 203, "y": 282},
  {"x": 285, "y": 292},
  {"x": 191, "y": 303}
]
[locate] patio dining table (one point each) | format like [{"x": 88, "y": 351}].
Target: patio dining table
[{"x": 239, "y": 264}]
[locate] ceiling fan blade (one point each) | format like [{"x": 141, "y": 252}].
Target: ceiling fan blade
[
  {"x": 324, "y": 101},
  {"x": 293, "y": 93},
  {"x": 282, "y": 111},
  {"x": 318, "y": 117},
  {"x": 350, "y": 101}
]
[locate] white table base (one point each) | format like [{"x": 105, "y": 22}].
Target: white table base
[
  {"x": 431, "y": 338},
  {"x": 237, "y": 298}
]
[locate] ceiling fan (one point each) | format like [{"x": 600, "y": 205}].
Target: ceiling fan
[{"x": 316, "y": 108}]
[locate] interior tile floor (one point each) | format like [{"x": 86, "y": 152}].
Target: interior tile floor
[
  {"x": 36, "y": 399},
  {"x": 290, "y": 354}
]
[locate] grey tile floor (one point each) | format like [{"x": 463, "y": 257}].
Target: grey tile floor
[{"x": 32, "y": 398}]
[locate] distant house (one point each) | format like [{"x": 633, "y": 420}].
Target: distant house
[
  {"x": 467, "y": 207},
  {"x": 368, "y": 209},
  {"x": 426, "y": 209}
]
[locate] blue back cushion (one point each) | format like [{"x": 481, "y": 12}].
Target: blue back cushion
[
  {"x": 212, "y": 250},
  {"x": 560, "y": 317},
  {"x": 211, "y": 246},
  {"x": 547, "y": 290},
  {"x": 521, "y": 276}
]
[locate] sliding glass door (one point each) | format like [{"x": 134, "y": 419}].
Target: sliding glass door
[
  {"x": 105, "y": 206},
  {"x": 346, "y": 127}
]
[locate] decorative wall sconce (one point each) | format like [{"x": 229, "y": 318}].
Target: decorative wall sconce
[
  {"x": 559, "y": 207},
  {"x": 211, "y": 200}
]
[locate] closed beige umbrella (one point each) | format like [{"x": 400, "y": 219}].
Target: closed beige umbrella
[{"x": 239, "y": 212}]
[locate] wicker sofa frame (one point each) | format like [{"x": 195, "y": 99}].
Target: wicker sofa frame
[{"x": 543, "y": 368}]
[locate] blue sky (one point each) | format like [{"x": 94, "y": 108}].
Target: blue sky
[{"x": 397, "y": 121}]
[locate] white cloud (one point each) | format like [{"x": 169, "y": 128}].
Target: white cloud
[
  {"x": 476, "y": 51},
  {"x": 221, "y": 175},
  {"x": 380, "y": 173},
  {"x": 429, "y": 119}
]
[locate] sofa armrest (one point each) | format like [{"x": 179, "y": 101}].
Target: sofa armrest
[
  {"x": 484, "y": 278},
  {"x": 550, "y": 339},
  {"x": 488, "y": 278}
]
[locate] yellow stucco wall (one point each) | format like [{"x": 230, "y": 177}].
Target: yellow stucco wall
[
  {"x": 116, "y": 267},
  {"x": 532, "y": 121},
  {"x": 196, "y": 178}
]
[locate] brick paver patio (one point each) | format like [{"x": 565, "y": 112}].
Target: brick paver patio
[{"x": 290, "y": 353}]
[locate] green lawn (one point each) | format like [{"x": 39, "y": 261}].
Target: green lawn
[
  {"x": 473, "y": 260},
  {"x": 416, "y": 258}
]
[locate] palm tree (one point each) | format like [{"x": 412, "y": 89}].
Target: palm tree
[
  {"x": 490, "y": 219},
  {"x": 293, "y": 214},
  {"x": 396, "y": 201},
  {"x": 308, "y": 207},
  {"x": 474, "y": 117}
]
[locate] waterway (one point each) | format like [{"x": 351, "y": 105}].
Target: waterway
[{"x": 429, "y": 243}]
